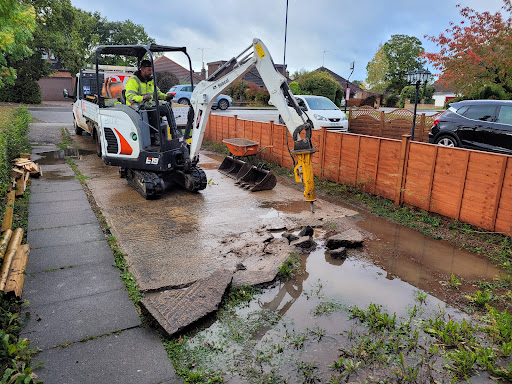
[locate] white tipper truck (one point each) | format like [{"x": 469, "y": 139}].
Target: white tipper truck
[{"x": 112, "y": 79}]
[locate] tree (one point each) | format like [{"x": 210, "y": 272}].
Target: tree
[
  {"x": 17, "y": 22},
  {"x": 377, "y": 70},
  {"x": 318, "y": 83},
  {"x": 476, "y": 53},
  {"x": 404, "y": 53},
  {"x": 120, "y": 33},
  {"x": 166, "y": 80}
]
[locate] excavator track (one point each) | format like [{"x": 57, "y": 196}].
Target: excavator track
[
  {"x": 195, "y": 180},
  {"x": 148, "y": 184}
]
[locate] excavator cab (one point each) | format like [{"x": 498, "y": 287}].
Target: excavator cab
[{"x": 143, "y": 140}]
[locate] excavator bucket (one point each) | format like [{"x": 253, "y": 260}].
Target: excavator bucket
[
  {"x": 230, "y": 166},
  {"x": 256, "y": 178},
  {"x": 251, "y": 177}
]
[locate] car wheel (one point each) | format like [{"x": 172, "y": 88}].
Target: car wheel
[
  {"x": 98, "y": 143},
  {"x": 78, "y": 130},
  {"x": 223, "y": 104},
  {"x": 184, "y": 101},
  {"x": 447, "y": 141}
]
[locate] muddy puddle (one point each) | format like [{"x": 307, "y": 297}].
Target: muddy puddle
[
  {"x": 296, "y": 331},
  {"x": 43, "y": 156}
]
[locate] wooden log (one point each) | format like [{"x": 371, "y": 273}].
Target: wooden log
[
  {"x": 15, "y": 242},
  {"x": 4, "y": 242},
  {"x": 9, "y": 211},
  {"x": 16, "y": 276}
]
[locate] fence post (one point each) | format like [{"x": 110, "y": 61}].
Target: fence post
[
  {"x": 402, "y": 167},
  {"x": 463, "y": 185},
  {"x": 322, "y": 149},
  {"x": 271, "y": 143},
  {"x": 236, "y": 122},
  {"x": 498, "y": 193},
  {"x": 422, "y": 127},
  {"x": 381, "y": 125}
]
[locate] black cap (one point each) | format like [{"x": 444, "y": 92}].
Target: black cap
[{"x": 145, "y": 64}]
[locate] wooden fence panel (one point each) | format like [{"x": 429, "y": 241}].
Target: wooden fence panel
[
  {"x": 365, "y": 125},
  {"x": 331, "y": 163},
  {"x": 394, "y": 129},
  {"x": 449, "y": 180},
  {"x": 349, "y": 159},
  {"x": 504, "y": 212},
  {"x": 418, "y": 179},
  {"x": 266, "y": 136},
  {"x": 387, "y": 175},
  {"x": 317, "y": 139},
  {"x": 482, "y": 187},
  {"x": 368, "y": 163}
]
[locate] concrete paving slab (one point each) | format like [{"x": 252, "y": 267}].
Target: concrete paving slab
[
  {"x": 47, "y": 185},
  {"x": 44, "y": 197},
  {"x": 175, "y": 309},
  {"x": 37, "y": 149},
  {"x": 135, "y": 356},
  {"x": 62, "y": 256},
  {"x": 70, "y": 283},
  {"x": 57, "y": 207},
  {"x": 65, "y": 235},
  {"x": 55, "y": 220},
  {"x": 73, "y": 320}
]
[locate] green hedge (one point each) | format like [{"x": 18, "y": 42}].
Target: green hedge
[
  {"x": 27, "y": 92},
  {"x": 13, "y": 141}
]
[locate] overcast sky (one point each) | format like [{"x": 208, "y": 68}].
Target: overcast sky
[{"x": 332, "y": 33}]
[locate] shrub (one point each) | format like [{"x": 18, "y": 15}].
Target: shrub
[
  {"x": 318, "y": 83},
  {"x": 295, "y": 88},
  {"x": 166, "y": 80},
  {"x": 252, "y": 91},
  {"x": 370, "y": 100},
  {"x": 391, "y": 100},
  {"x": 23, "y": 91}
]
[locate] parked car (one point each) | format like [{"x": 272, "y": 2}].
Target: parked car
[
  {"x": 477, "y": 124},
  {"x": 183, "y": 92},
  {"x": 322, "y": 112}
]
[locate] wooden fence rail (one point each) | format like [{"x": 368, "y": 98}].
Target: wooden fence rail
[{"x": 470, "y": 186}]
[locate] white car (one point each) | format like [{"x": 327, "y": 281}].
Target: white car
[{"x": 322, "y": 112}]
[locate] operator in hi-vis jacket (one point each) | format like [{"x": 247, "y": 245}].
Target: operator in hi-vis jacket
[{"x": 140, "y": 87}]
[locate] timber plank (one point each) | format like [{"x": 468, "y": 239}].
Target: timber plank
[
  {"x": 16, "y": 277},
  {"x": 9, "y": 211}
]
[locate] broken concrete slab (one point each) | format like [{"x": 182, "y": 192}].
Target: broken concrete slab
[
  {"x": 290, "y": 236},
  {"x": 263, "y": 268},
  {"x": 134, "y": 356},
  {"x": 338, "y": 253},
  {"x": 177, "y": 308},
  {"x": 304, "y": 242},
  {"x": 350, "y": 238}
]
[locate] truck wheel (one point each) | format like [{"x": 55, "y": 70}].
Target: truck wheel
[
  {"x": 184, "y": 101},
  {"x": 78, "y": 130},
  {"x": 98, "y": 143}
]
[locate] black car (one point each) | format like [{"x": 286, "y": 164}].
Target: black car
[{"x": 477, "y": 124}]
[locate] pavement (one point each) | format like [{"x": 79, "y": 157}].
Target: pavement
[{"x": 81, "y": 318}]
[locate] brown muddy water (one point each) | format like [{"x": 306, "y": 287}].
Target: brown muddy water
[{"x": 293, "y": 331}]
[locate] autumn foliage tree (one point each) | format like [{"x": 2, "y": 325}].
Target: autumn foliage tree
[{"x": 475, "y": 55}]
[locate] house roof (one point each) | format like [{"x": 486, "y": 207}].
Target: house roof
[
  {"x": 164, "y": 64},
  {"x": 443, "y": 88}
]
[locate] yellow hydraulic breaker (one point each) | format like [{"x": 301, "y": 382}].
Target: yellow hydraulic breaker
[{"x": 304, "y": 174}]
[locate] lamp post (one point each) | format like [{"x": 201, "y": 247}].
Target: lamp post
[
  {"x": 417, "y": 78},
  {"x": 347, "y": 89},
  {"x": 285, "y": 31}
]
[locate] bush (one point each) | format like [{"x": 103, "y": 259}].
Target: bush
[
  {"x": 370, "y": 100},
  {"x": 391, "y": 100},
  {"x": 318, "y": 83},
  {"x": 25, "y": 91},
  {"x": 252, "y": 91},
  {"x": 295, "y": 88},
  {"x": 166, "y": 80}
]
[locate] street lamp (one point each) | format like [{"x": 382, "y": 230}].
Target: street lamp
[
  {"x": 417, "y": 78},
  {"x": 347, "y": 89}
]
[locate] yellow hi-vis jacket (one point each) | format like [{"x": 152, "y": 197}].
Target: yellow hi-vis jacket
[{"x": 136, "y": 88}]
